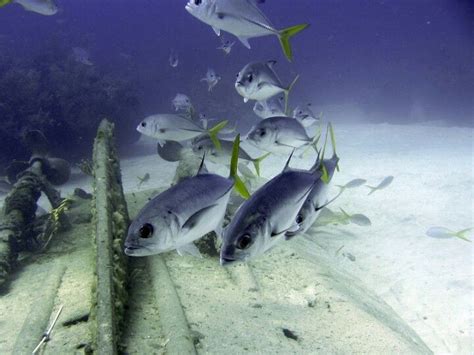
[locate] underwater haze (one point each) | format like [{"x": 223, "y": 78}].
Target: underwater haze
[{"x": 384, "y": 93}]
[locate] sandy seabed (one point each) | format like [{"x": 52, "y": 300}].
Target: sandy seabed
[{"x": 428, "y": 282}]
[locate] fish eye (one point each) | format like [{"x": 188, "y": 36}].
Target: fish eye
[
  {"x": 250, "y": 77},
  {"x": 143, "y": 124},
  {"x": 200, "y": 147},
  {"x": 244, "y": 241},
  {"x": 299, "y": 219},
  {"x": 262, "y": 132},
  {"x": 146, "y": 230},
  {"x": 237, "y": 75},
  {"x": 197, "y": 2}
]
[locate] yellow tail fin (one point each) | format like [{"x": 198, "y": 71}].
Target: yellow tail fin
[{"x": 285, "y": 35}]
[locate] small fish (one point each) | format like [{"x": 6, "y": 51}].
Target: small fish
[
  {"x": 279, "y": 135},
  {"x": 274, "y": 106},
  {"x": 211, "y": 78},
  {"x": 182, "y": 102},
  {"x": 383, "y": 184},
  {"x": 443, "y": 232},
  {"x": 305, "y": 116},
  {"x": 262, "y": 221},
  {"x": 183, "y": 213},
  {"x": 357, "y": 218},
  {"x": 42, "y": 7},
  {"x": 243, "y": 19},
  {"x": 258, "y": 81},
  {"x": 173, "y": 59},
  {"x": 143, "y": 179},
  {"x": 204, "y": 145},
  {"x": 352, "y": 184},
  {"x": 171, "y": 127},
  {"x": 226, "y": 46},
  {"x": 81, "y": 55}
]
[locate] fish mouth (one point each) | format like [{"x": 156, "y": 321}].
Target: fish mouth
[
  {"x": 227, "y": 261},
  {"x": 131, "y": 250}
]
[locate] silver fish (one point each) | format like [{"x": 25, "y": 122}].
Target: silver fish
[
  {"x": 183, "y": 213},
  {"x": 360, "y": 219},
  {"x": 176, "y": 128},
  {"x": 243, "y": 19},
  {"x": 226, "y": 46},
  {"x": 353, "y": 183},
  {"x": 258, "y": 81},
  {"x": 382, "y": 185},
  {"x": 182, "y": 102},
  {"x": 274, "y": 106},
  {"x": 211, "y": 78},
  {"x": 42, "y": 7},
  {"x": 173, "y": 59},
  {"x": 306, "y": 116},
  {"x": 180, "y": 215},
  {"x": 263, "y": 220},
  {"x": 81, "y": 55},
  {"x": 279, "y": 135},
  {"x": 443, "y": 232}
]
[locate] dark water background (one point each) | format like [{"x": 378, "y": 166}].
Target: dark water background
[{"x": 393, "y": 61}]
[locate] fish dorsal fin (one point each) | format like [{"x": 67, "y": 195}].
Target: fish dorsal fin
[
  {"x": 202, "y": 168},
  {"x": 287, "y": 165},
  {"x": 271, "y": 63}
]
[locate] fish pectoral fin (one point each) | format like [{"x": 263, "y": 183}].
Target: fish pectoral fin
[
  {"x": 217, "y": 31},
  {"x": 198, "y": 217},
  {"x": 244, "y": 41},
  {"x": 292, "y": 229},
  {"x": 189, "y": 249}
]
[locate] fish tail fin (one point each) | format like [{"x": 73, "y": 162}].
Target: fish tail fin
[
  {"x": 239, "y": 185},
  {"x": 287, "y": 93},
  {"x": 285, "y": 35},
  {"x": 5, "y": 2},
  {"x": 214, "y": 131},
  {"x": 256, "y": 162},
  {"x": 461, "y": 234},
  {"x": 372, "y": 189}
]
